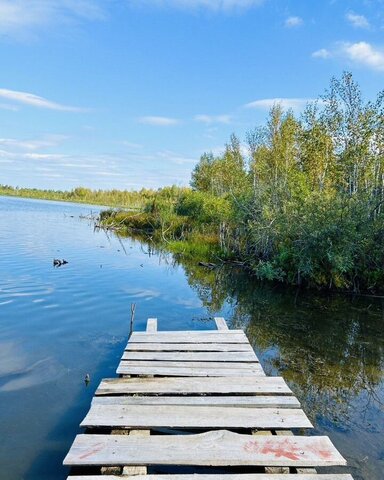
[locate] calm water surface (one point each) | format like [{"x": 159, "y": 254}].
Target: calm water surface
[{"x": 57, "y": 324}]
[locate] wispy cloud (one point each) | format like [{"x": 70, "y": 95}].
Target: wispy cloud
[
  {"x": 173, "y": 157},
  {"x": 33, "y": 144},
  {"x": 292, "y": 22},
  {"x": 210, "y": 119},
  {"x": 132, "y": 145},
  {"x": 360, "y": 53},
  {"x": 33, "y": 100},
  {"x": 212, "y": 5},
  {"x": 20, "y": 18},
  {"x": 44, "y": 156},
  {"x": 286, "y": 103},
  {"x": 358, "y": 21},
  {"x": 322, "y": 53},
  {"x": 159, "y": 121},
  {"x": 150, "y": 169}
]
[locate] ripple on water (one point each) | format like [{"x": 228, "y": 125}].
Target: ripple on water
[
  {"x": 20, "y": 369},
  {"x": 25, "y": 288}
]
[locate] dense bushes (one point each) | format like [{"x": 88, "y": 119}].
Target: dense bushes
[{"x": 308, "y": 206}]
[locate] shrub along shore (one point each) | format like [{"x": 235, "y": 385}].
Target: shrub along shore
[{"x": 301, "y": 204}]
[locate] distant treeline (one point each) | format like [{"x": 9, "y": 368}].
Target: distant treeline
[
  {"x": 113, "y": 198},
  {"x": 303, "y": 205}
]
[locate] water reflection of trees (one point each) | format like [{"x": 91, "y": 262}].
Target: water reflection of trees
[{"x": 329, "y": 348}]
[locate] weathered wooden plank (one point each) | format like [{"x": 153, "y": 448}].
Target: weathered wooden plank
[
  {"x": 274, "y": 470},
  {"x": 189, "y": 337},
  {"x": 220, "y": 448},
  {"x": 186, "y": 416},
  {"x": 195, "y": 385},
  {"x": 243, "y": 366},
  {"x": 189, "y": 347},
  {"x": 192, "y": 356},
  {"x": 221, "y": 324},
  {"x": 134, "y": 469},
  {"x": 188, "y": 369},
  {"x": 248, "y": 401},
  {"x": 186, "y": 372},
  {"x": 152, "y": 325},
  {"x": 195, "y": 332},
  {"x": 240, "y": 476}
]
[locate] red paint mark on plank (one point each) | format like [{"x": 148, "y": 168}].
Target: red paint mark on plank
[
  {"x": 278, "y": 449},
  {"x": 91, "y": 452},
  {"x": 288, "y": 449}
]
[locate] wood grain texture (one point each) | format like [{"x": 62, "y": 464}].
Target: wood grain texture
[
  {"x": 243, "y": 366},
  {"x": 189, "y": 347},
  {"x": 189, "y": 337},
  {"x": 188, "y": 369},
  {"x": 220, "y": 448},
  {"x": 187, "y": 416},
  {"x": 195, "y": 385},
  {"x": 248, "y": 401},
  {"x": 185, "y": 372},
  {"x": 240, "y": 357}
]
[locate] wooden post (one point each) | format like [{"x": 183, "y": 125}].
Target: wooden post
[
  {"x": 221, "y": 324},
  {"x": 133, "y": 309},
  {"x": 152, "y": 325}
]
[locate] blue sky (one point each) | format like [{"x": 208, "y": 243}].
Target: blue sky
[{"x": 129, "y": 93}]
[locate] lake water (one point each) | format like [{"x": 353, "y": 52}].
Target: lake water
[{"x": 58, "y": 324}]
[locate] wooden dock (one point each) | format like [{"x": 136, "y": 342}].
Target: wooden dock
[{"x": 197, "y": 405}]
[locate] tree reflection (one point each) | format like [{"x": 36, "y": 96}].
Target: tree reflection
[{"x": 330, "y": 349}]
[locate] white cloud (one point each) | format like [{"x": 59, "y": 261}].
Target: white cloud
[
  {"x": 132, "y": 145},
  {"x": 174, "y": 157},
  {"x": 358, "y": 21},
  {"x": 213, "y": 5},
  {"x": 159, "y": 121},
  {"x": 292, "y": 22},
  {"x": 286, "y": 103},
  {"x": 34, "y": 144},
  {"x": 33, "y": 100},
  {"x": 360, "y": 53},
  {"x": 21, "y": 17},
  {"x": 43, "y": 156},
  {"x": 322, "y": 53},
  {"x": 363, "y": 54},
  {"x": 210, "y": 119}
]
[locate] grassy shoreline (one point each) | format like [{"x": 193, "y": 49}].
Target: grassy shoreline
[{"x": 78, "y": 195}]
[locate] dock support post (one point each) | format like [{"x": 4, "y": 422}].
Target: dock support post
[
  {"x": 221, "y": 324},
  {"x": 151, "y": 325}
]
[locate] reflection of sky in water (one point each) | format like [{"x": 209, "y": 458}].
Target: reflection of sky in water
[
  {"x": 57, "y": 324},
  {"x": 19, "y": 373}
]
